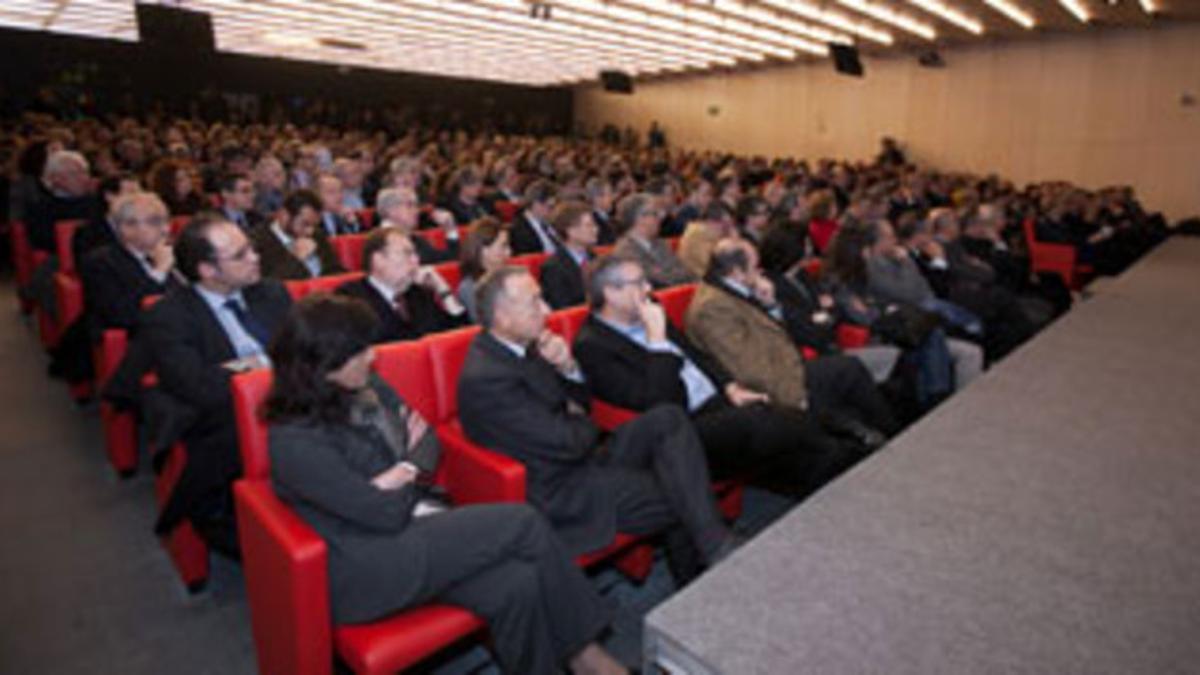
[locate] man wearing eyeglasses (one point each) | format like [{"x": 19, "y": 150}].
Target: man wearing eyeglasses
[
  {"x": 198, "y": 335},
  {"x": 237, "y": 201},
  {"x": 633, "y": 357},
  {"x": 639, "y": 217}
]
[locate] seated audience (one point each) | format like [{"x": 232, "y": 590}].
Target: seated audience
[
  {"x": 521, "y": 393},
  {"x": 176, "y": 183},
  {"x": 754, "y": 215},
  {"x": 336, "y": 217},
  {"x": 531, "y": 231},
  {"x": 398, "y": 208},
  {"x": 485, "y": 251},
  {"x": 221, "y": 322},
  {"x": 292, "y": 247},
  {"x": 139, "y": 263},
  {"x": 64, "y": 193},
  {"x": 101, "y": 230},
  {"x": 702, "y": 234},
  {"x": 944, "y": 364},
  {"x": 408, "y": 299},
  {"x": 634, "y": 358},
  {"x": 237, "y": 201},
  {"x": 735, "y": 317},
  {"x": 350, "y": 175},
  {"x": 823, "y": 207},
  {"x": 350, "y": 456},
  {"x": 600, "y": 196},
  {"x": 809, "y": 313},
  {"x": 694, "y": 207},
  {"x": 562, "y": 275},
  {"x": 638, "y": 218},
  {"x": 269, "y": 180},
  {"x": 464, "y": 202}
]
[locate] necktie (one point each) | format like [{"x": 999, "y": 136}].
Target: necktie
[
  {"x": 401, "y": 306},
  {"x": 249, "y": 323}
]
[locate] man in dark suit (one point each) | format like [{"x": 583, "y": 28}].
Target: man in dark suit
[
  {"x": 600, "y": 194},
  {"x": 522, "y": 393},
  {"x": 563, "y": 273},
  {"x": 102, "y": 230},
  {"x": 64, "y": 193},
  {"x": 464, "y": 201},
  {"x": 198, "y": 336},
  {"x": 399, "y": 208},
  {"x": 634, "y": 358},
  {"x": 237, "y": 201},
  {"x": 292, "y": 247},
  {"x": 410, "y": 300},
  {"x": 336, "y": 217},
  {"x": 531, "y": 231},
  {"x": 139, "y": 263}
]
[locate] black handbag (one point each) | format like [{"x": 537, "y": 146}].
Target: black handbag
[{"x": 905, "y": 326}]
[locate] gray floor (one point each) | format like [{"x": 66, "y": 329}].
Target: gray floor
[{"x": 84, "y": 586}]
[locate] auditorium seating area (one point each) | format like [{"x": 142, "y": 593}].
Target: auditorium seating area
[{"x": 1058, "y": 234}]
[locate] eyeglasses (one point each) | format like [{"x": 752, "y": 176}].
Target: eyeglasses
[
  {"x": 636, "y": 281},
  {"x": 239, "y": 255}
]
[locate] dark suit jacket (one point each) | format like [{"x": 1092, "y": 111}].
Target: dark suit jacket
[
  {"x": 425, "y": 315},
  {"x": 524, "y": 239},
  {"x": 95, "y": 233},
  {"x": 520, "y": 407},
  {"x": 622, "y": 372},
  {"x": 798, "y": 298},
  {"x": 464, "y": 213},
  {"x": 42, "y": 212},
  {"x": 607, "y": 234},
  {"x": 251, "y": 220},
  {"x": 323, "y": 471},
  {"x": 431, "y": 255},
  {"x": 339, "y": 224},
  {"x": 279, "y": 263},
  {"x": 192, "y": 401},
  {"x": 562, "y": 280},
  {"x": 114, "y": 285}
]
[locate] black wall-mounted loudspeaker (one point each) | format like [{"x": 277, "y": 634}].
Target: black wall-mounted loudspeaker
[
  {"x": 845, "y": 59},
  {"x": 175, "y": 31},
  {"x": 616, "y": 81},
  {"x": 931, "y": 59}
]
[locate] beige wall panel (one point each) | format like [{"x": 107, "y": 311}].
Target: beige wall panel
[{"x": 1095, "y": 109}]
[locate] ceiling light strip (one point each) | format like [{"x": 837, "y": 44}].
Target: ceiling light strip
[
  {"x": 834, "y": 19},
  {"x": 1014, "y": 13},
  {"x": 1077, "y": 9},
  {"x": 950, "y": 15},
  {"x": 890, "y": 16}
]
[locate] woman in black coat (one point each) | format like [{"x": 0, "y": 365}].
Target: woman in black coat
[{"x": 350, "y": 457}]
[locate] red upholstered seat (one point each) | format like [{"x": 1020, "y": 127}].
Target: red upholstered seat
[
  {"x": 507, "y": 210},
  {"x": 64, "y": 233},
  {"x": 675, "y": 301},
  {"x": 567, "y": 322},
  {"x": 23, "y": 259},
  {"x": 532, "y": 262},
  {"x": 1057, "y": 258},
  {"x": 450, "y": 272},
  {"x": 349, "y": 248},
  {"x": 299, "y": 288},
  {"x": 366, "y": 218},
  {"x": 812, "y": 267},
  {"x": 447, "y": 351},
  {"x": 850, "y": 335},
  {"x": 178, "y": 223},
  {"x": 188, "y": 552},
  {"x": 119, "y": 427},
  {"x": 435, "y": 236},
  {"x": 285, "y": 560}
]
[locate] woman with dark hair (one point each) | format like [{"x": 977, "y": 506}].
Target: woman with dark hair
[
  {"x": 486, "y": 249},
  {"x": 808, "y": 312},
  {"x": 350, "y": 457},
  {"x": 176, "y": 183}
]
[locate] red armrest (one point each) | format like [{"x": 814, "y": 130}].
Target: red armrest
[
  {"x": 475, "y": 475},
  {"x": 287, "y": 586},
  {"x": 608, "y": 416},
  {"x": 68, "y": 294}
]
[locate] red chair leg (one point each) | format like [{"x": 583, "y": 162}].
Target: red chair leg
[
  {"x": 636, "y": 562},
  {"x": 120, "y": 439},
  {"x": 188, "y": 552}
]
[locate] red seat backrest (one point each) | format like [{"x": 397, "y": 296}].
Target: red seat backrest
[
  {"x": 64, "y": 232},
  {"x": 675, "y": 301},
  {"x": 507, "y": 210},
  {"x": 447, "y": 351},
  {"x": 450, "y": 272},
  {"x": 812, "y": 268},
  {"x": 249, "y": 392},
  {"x": 406, "y": 367},
  {"x": 435, "y": 236},
  {"x": 327, "y": 284},
  {"x": 366, "y": 218},
  {"x": 178, "y": 223},
  {"x": 531, "y": 261},
  {"x": 567, "y": 322},
  {"x": 349, "y": 249}
]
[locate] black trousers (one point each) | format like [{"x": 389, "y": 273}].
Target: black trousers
[
  {"x": 504, "y": 563},
  {"x": 660, "y": 481},
  {"x": 842, "y": 385},
  {"x": 784, "y": 446}
]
